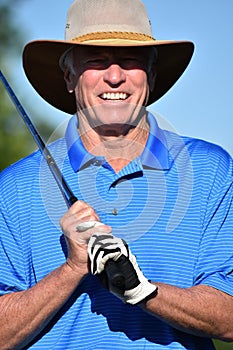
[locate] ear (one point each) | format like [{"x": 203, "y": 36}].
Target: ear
[{"x": 70, "y": 80}]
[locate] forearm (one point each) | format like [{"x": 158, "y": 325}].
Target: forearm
[
  {"x": 24, "y": 314},
  {"x": 200, "y": 310}
]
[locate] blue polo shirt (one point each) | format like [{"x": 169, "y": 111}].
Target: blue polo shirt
[{"x": 172, "y": 204}]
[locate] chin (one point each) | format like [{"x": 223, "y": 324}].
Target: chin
[{"x": 114, "y": 129}]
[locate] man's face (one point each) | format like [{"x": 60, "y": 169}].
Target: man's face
[{"x": 111, "y": 84}]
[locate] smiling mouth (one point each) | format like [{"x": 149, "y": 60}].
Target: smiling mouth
[{"x": 114, "y": 96}]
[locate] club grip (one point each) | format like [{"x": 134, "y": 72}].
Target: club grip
[{"x": 115, "y": 276}]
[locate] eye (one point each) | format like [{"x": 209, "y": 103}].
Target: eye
[
  {"x": 132, "y": 63},
  {"x": 96, "y": 63}
]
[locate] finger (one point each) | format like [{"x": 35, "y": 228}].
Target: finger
[
  {"x": 79, "y": 212},
  {"x": 93, "y": 227},
  {"x": 83, "y": 211},
  {"x": 83, "y": 236},
  {"x": 80, "y": 238},
  {"x": 84, "y": 226}
]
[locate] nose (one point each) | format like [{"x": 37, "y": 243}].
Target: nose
[{"x": 114, "y": 75}]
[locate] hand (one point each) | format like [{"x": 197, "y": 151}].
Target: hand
[
  {"x": 78, "y": 224},
  {"x": 102, "y": 248},
  {"x": 136, "y": 288}
]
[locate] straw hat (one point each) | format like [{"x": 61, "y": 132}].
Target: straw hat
[{"x": 102, "y": 23}]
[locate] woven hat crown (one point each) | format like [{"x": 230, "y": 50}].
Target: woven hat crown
[{"x": 121, "y": 19}]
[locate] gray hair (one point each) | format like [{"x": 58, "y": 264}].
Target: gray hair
[
  {"x": 153, "y": 57},
  {"x": 66, "y": 60}
]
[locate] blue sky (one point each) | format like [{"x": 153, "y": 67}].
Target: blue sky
[{"x": 201, "y": 102}]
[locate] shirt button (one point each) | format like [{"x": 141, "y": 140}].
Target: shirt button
[{"x": 114, "y": 211}]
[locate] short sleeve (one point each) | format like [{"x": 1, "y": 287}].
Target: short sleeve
[{"x": 215, "y": 262}]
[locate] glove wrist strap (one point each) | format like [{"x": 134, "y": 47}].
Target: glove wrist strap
[{"x": 138, "y": 294}]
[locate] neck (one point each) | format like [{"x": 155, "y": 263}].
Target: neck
[{"x": 120, "y": 146}]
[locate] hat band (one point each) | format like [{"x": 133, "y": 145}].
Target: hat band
[{"x": 113, "y": 35}]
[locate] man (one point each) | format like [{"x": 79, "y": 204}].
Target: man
[{"x": 156, "y": 206}]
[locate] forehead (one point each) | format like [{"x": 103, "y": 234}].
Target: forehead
[{"x": 121, "y": 52}]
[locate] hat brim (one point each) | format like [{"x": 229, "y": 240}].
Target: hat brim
[{"x": 41, "y": 66}]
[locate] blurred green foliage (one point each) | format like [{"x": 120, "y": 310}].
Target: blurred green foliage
[
  {"x": 15, "y": 140},
  {"x": 222, "y": 345}
]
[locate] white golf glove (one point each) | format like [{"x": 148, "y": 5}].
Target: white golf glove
[{"x": 117, "y": 268}]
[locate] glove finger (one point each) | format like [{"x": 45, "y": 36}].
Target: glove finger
[
  {"x": 95, "y": 262},
  {"x": 105, "y": 242},
  {"x": 102, "y": 261},
  {"x": 96, "y": 243},
  {"x": 102, "y": 247},
  {"x": 99, "y": 255}
]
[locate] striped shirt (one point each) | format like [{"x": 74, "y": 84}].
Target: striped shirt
[{"x": 172, "y": 204}]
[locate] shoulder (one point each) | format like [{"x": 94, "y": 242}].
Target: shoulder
[
  {"x": 212, "y": 168},
  {"x": 209, "y": 156},
  {"x": 201, "y": 153}
]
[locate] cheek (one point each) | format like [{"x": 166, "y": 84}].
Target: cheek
[
  {"x": 90, "y": 79},
  {"x": 140, "y": 83},
  {"x": 86, "y": 87},
  {"x": 139, "y": 77}
]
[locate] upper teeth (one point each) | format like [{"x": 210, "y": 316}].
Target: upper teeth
[{"x": 114, "y": 96}]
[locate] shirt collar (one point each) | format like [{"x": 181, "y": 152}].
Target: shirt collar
[{"x": 155, "y": 154}]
